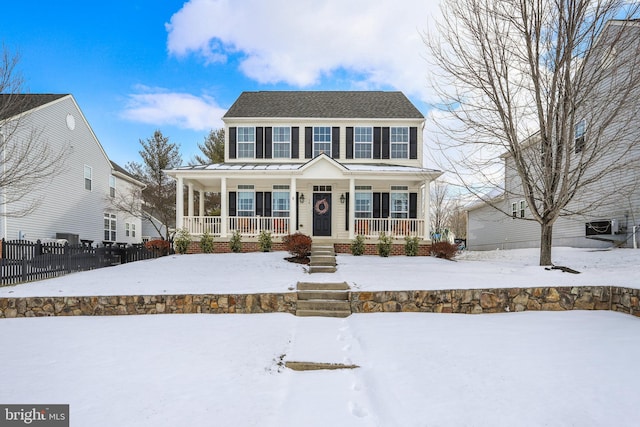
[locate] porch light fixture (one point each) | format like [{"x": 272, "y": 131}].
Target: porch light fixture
[
  {"x": 342, "y": 198},
  {"x": 301, "y": 198}
]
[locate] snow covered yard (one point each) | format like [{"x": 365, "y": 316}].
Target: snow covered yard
[
  {"x": 525, "y": 369},
  {"x": 416, "y": 369}
]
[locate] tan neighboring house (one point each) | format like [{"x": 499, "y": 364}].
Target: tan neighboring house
[{"x": 331, "y": 165}]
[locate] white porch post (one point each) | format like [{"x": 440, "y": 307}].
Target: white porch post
[
  {"x": 223, "y": 207},
  {"x": 190, "y": 206},
  {"x": 352, "y": 208},
  {"x": 293, "y": 206},
  {"x": 179, "y": 201},
  {"x": 426, "y": 202},
  {"x": 201, "y": 203}
]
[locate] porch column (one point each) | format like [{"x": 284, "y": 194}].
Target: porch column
[
  {"x": 201, "y": 203},
  {"x": 293, "y": 206},
  {"x": 179, "y": 201},
  {"x": 352, "y": 208},
  {"x": 426, "y": 201},
  {"x": 190, "y": 206},
  {"x": 223, "y": 207}
]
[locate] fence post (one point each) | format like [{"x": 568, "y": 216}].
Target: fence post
[{"x": 24, "y": 268}]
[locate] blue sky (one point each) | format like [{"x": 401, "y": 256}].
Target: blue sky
[{"x": 139, "y": 65}]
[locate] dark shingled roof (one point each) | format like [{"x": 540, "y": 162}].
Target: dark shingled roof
[
  {"x": 17, "y": 103},
  {"x": 324, "y": 104}
]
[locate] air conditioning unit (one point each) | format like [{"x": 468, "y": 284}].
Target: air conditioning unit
[{"x": 597, "y": 228}]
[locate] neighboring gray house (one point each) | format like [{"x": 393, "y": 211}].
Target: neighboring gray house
[
  {"x": 608, "y": 209},
  {"x": 75, "y": 203},
  {"x": 328, "y": 164}
]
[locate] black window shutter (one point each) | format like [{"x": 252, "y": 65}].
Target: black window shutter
[
  {"x": 297, "y": 210},
  {"x": 268, "y": 142},
  {"x": 349, "y": 143},
  {"x": 295, "y": 142},
  {"x": 232, "y": 203},
  {"x": 385, "y": 143},
  {"x": 259, "y": 143},
  {"x": 413, "y": 205},
  {"x": 385, "y": 205},
  {"x": 232, "y": 142},
  {"x": 308, "y": 142},
  {"x": 376, "y": 143},
  {"x": 376, "y": 205},
  {"x": 413, "y": 142},
  {"x": 335, "y": 142},
  {"x": 267, "y": 203},
  {"x": 259, "y": 203},
  {"x": 346, "y": 217}
]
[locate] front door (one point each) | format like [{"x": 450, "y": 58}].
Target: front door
[{"x": 322, "y": 214}]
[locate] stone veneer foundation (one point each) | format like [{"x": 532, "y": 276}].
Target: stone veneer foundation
[{"x": 471, "y": 301}]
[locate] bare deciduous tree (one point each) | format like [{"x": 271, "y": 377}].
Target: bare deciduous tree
[
  {"x": 27, "y": 160},
  {"x": 553, "y": 85}
]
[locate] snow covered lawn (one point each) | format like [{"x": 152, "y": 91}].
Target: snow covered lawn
[
  {"x": 516, "y": 369},
  {"x": 269, "y": 272}
]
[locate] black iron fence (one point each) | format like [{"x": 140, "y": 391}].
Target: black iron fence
[{"x": 24, "y": 261}]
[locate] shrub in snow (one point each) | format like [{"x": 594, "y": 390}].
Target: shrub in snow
[
  {"x": 384, "y": 245},
  {"x": 298, "y": 244},
  {"x": 411, "y": 245},
  {"x": 161, "y": 247},
  {"x": 444, "y": 250},
  {"x": 236, "y": 242},
  {"x": 265, "y": 241},
  {"x": 182, "y": 241},
  {"x": 357, "y": 247},
  {"x": 206, "y": 242}
]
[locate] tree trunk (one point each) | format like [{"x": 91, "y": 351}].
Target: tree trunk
[{"x": 546, "y": 237}]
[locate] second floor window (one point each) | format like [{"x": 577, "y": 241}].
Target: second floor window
[
  {"x": 580, "y": 131},
  {"x": 112, "y": 186},
  {"x": 246, "y": 142},
  {"x": 88, "y": 178},
  {"x": 281, "y": 142},
  {"x": 399, "y": 143},
  {"x": 363, "y": 142},
  {"x": 321, "y": 140}
]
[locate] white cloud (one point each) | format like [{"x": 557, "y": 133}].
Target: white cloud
[
  {"x": 159, "y": 107},
  {"x": 300, "y": 42}
]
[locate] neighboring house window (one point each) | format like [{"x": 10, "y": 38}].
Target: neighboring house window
[
  {"x": 246, "y": 200},
  {"x": 399, "y": 142},
  {"x": 399, "y": 201},
  {"x": 517, "y": 209},
  {"x": 130, "y": 229},
  {"x": 246, "y": 142},
  {"x": 363, "y": 142},
  {"x": 88, "y": 177},
  {"x": 281, "y": 142},
  {"x": 522, "y": 206},
  {"x": 280, "y": 201},
  {"x": 110, "y": 227},
  {"x": 580, "y": 130},
  {"x": 514, "y": 210},
  {"x": 321, "y": 140},
  {"x": 112, "y": 186},
  {"x": 364, "y": 201}
]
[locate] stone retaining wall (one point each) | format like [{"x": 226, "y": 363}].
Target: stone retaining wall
[{"x": 473, "y": 301}]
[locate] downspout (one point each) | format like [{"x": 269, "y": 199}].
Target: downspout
[
  {"x": 3, "y": 192},
  {"x": 635, "y": 240}
]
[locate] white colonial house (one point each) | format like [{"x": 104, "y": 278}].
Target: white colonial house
[
  {"x": 74, "y": 203},
  {"x": 606, "y": 211},
  {"x": 328, "y": 164}
]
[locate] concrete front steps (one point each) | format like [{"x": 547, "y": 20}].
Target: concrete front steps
[
  {"x": 322, "y": 259},
  {"x": 323, "y": 299}
]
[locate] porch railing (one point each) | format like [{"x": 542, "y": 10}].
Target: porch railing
[
  {"x": 247, "y": 226},
  {"x": 393, "y": 227}
]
